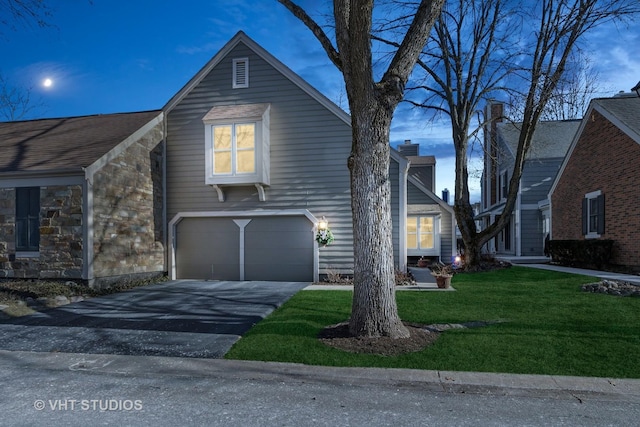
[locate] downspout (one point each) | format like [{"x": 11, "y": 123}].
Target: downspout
[
  {"x": 518, "y": 223},
  {"x": 402, "y": 216}
]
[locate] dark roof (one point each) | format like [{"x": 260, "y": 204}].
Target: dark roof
[
  {"x": 551, "y": 139},
  {"x": 625, "y": 109},
  {"x": 65, "y": 143}
]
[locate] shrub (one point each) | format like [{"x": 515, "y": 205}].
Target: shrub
[{"x": 584, "y": 253}]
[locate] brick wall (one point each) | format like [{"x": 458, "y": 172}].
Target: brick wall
[{"x": 608, "y": 160}]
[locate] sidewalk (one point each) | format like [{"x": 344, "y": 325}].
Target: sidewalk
[
  {"x": 595, "y": 273},
  {"x": 424, "y": 282}
]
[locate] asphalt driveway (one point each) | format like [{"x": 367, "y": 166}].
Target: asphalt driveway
[{"x": 183, "y": 318}]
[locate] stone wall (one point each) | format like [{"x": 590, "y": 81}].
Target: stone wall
[
  {"x": 60, "y": 254},
  {"x": 127, "y": 212}
]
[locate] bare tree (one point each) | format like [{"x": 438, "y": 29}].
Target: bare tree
[
  {"x": 571, "y": 98},
  {"x": 372, "y": 104},
  {"x": 473, "y": 62},
  {"x": 16, "y": 102},
  {"x": 14, "y": 13},
  {"x": 471, "y": 51}
]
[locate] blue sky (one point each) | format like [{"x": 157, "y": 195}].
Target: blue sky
[{"x": 109, "y": 56}]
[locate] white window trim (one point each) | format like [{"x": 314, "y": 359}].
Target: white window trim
[
  {"x": 235, "y": 84},
  {"x": 435, "y": 251},
  {"x": 502, "y": 183},
  {"x": 261, "y": 175},
  {"x": 589, "y": 197}
]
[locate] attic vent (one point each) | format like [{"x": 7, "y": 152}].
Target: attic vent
[{"x": 240, "y": 73}]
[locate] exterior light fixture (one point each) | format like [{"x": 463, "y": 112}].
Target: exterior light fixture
[
  {"x": 636, "y": 89},
  {"x": 323, "y": 224}
]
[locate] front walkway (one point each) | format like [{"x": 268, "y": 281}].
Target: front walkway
[{"x": 608, "y": 275}]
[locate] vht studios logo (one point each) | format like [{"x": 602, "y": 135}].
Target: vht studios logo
[{"x": 88, "y": 405}]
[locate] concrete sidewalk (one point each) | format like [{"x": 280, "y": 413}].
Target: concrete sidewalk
[
  {"x": 595, "y": 273},
  {"x": 424, "y": 282}
]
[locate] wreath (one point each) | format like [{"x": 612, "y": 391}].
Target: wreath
[{"x": 324, "y": 237}]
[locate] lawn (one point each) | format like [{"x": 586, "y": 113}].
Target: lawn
[{"x": 547, "y": 326}]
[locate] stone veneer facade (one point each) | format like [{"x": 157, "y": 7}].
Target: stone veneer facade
[
  {"x": 126, "y": 210},
  {"x": 60, "y": 255}
]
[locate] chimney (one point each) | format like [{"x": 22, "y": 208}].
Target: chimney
[
  {"x": 408, "y": 149},
  {"x": 445, "y": 195}
]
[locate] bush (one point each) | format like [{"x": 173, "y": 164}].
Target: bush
[{"x": 581, "y": 253}]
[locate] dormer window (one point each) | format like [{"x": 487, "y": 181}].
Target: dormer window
[
  {"x": 234, "y": 149},
  {"x": 237, "y": 145},
  {"x": 240, "y": 75}
]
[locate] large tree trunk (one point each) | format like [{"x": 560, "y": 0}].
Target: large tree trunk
[
  {"x": 374, "y": 311},
  {"x": 371, "y": 104}
]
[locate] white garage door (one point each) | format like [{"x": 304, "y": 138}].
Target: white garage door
[{"x": 278, "y": 248}]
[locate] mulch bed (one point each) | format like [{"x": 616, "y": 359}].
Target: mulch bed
[{"x": 338, "y": 336}]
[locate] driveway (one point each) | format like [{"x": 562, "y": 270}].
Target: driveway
[{"x": 182, "y": 318}]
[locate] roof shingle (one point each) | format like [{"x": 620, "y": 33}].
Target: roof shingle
[{"x": 65, "y": 143}]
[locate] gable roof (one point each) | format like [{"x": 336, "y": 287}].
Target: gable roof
[
  {"x": 70, "y": 143},
  {"x": 241, "y": 37},
  {"x": 623, "y": 111},
  {"x": 551, "y": 139}
]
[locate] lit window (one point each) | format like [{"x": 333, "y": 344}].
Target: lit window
[
  {"x": 421, "y": 235},
  {"x": 237, "y": 145},
  {"x": 234, "y": 149}
]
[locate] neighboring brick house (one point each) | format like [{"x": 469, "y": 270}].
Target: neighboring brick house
[
  {"x": 81, "y": 197},
  {"x": 525, "y": 233},
  {"x": 596, "y": 192}
]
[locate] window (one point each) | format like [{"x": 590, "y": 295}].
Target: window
[
  {"x": 234, "y": 149},
  {"x": 504, "y": 185},
  {"x": 240, "y": 73},
  {"x": 422, "y": 235},
  {"x": 593, "y": 214},
  {"x": 28, "y": 219},
  {"x": 237, "y": 145}
]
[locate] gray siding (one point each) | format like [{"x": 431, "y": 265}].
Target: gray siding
[
  {"x": 446, "y": 242},
  {"x": 531, "y": 233},
  {"x": 309, "y": 150},
  {"x": 537, "y": 178}
]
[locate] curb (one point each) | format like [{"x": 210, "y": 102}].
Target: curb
[{"x": 567, "y": 387}]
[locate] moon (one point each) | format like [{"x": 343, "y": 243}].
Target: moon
[{"x": 47, "y": 82}]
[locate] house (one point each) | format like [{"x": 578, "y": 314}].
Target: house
[
  {"x": 262, "y": 215},
  {"x": 595, "y": 195},
  {"x": 237, "y": 171},
  {"x": 525, "y": 234},
  {"x": 430, "y": 220},
  {"x": 81, "y": 197}
]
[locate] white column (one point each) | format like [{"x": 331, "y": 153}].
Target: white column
[{"x": 242, "y": 223}]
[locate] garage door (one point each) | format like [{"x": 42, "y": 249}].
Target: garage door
[{"x": 278, "y": 248}]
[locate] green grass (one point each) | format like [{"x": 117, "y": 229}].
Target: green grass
[{"x": 549, "y": 326}]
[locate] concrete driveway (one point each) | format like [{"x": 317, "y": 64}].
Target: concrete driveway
[{"x": 183, "y": 318}]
